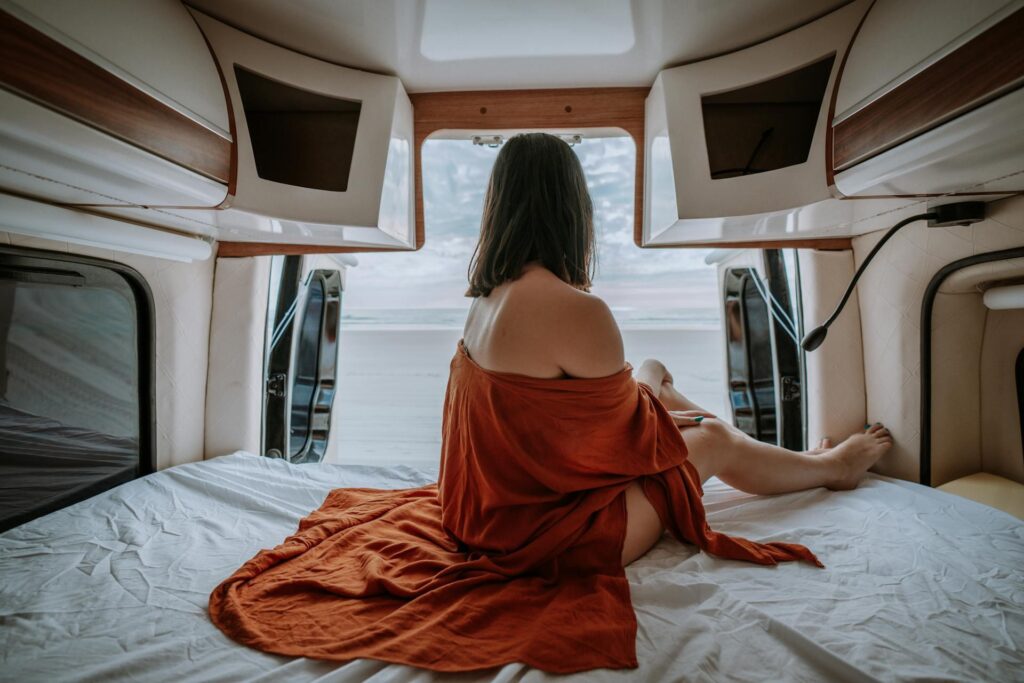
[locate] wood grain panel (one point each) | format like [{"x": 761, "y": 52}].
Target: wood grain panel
[
  {"x": 822, "y": 243},
  {"x": 38, "y": 67},
  {"x": 244, "y": 249},
  {"x": 985, "y": 67},
  {"x": 573, "y": 108}
]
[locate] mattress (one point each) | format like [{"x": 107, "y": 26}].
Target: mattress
[{"x": 919, "y": 584}]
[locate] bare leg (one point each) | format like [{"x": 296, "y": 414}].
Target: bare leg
[
  {"x": 654, "y": 374},
  {"x": 719, "y": 449},
  {"x": 756, "y": 467}
]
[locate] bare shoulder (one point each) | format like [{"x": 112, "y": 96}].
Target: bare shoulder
[
  {"x": 587, "y": 338},
  {"x": 540, "y": 326}
]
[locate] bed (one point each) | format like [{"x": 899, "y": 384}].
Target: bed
[{"x": 920, "y": 584}]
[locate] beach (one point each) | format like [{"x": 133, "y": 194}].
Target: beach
[{"x": 391, "y": 385}]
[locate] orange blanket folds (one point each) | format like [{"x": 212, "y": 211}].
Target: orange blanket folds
[{"x": 513, "y": 556}]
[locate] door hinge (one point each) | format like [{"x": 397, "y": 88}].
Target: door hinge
[
  {"x": 790, "y": 388},
  {"x": 276, "y": 384}
]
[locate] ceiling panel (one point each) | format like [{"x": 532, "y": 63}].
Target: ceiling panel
[{"x": 494, "y": 44}]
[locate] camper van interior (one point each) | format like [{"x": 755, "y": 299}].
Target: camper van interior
[{"x": 471, "y": 340}]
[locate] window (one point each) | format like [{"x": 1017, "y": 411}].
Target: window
[
  {"x": 404, "y": 312},
  {"x": 75, "y": 381},
  {"x": 302, "y": 352},
  {"x": 765, "y": 126},
  {"x": 298, "y": 137}
]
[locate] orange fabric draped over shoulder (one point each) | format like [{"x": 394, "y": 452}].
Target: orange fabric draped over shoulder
[{"x": 515, "y": 555}]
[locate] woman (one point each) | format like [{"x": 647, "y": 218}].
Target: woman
[
  {"x": 532, "y": 315},
  {"x": 557, "y": 469}
]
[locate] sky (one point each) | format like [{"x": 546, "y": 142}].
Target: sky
[{"x": 455, "y": 174}]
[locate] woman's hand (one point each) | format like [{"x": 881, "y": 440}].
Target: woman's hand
[{"x": 689, "y": 418}]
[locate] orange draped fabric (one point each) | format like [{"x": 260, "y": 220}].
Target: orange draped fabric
[{"x": 513, "y": 556}]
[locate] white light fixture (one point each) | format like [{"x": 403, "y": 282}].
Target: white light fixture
[
  {"x": 38, "y": 219},
  {"x": 1004, "y": 298}
]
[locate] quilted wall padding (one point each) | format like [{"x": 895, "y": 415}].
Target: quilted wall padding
[
  {"x": 234, "y": 392},
  {"x": 182, "y": 298},
  {"x": 834, "y": 373},
  {"x": 1001, "y": 448},
  {"x": 891, "y": 292}
]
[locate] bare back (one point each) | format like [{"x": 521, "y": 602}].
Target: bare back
[{"x": 540, "y": 326}]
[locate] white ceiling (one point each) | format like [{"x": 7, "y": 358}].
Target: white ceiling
[{"x": 490, "y": 44}]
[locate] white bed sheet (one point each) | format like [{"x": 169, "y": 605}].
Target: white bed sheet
[{"x": 919, "y": 585}]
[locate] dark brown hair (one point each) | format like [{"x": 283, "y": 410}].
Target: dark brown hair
[{"x": 537, "y": 208}]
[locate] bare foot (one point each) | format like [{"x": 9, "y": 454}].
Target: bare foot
[{"x": 854, "y": 456}]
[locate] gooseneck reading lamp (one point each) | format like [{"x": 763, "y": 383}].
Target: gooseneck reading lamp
[{"x": 960, "y": 213}]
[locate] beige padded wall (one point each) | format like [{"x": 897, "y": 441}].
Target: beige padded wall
[
  {"x": 834, "y": 384},
  {"x": 891, "y": 292},
  {"x": 1000, "y": 416},
  {"x": 958, "y": 325},
  {"x": 182, "y": 297},
  {"x": 234, "y": 395}
]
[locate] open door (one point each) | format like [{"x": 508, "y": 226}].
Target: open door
[
  {"x": 302, "y": 360},
  {"x": 764, "y": 366}
]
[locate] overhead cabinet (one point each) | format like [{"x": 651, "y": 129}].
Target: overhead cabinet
[
  {"x": 735, "y": 142},
  {"x": 838, "y": 127},
  {"x": 930, "y": 101},
  {"x": 97, "y": 115},
  {"x": 325, "y": 153}
]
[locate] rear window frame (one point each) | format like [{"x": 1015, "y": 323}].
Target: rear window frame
[{"x": 142, "y": 295}]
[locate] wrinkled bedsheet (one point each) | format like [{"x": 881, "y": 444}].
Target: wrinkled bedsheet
[{"x": 919, "y": 584}]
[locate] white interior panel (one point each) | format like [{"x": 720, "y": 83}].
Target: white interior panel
[
  {"x": 49, "y": 155},
  {"x": 901, "y": 38},
  {"x": 484, "y": 45},
  {"x": 981, "y": 151},
  {"x": 36, "y": 219},
  {"x": 162, "y": 53},
  {"x": 455, "y": 30}
]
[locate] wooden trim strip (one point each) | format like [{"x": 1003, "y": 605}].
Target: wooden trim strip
[
  {"x": 985, "y": 67},
  {"x": 38, "y": 67},
  {"x": 572, "y": 108},
  {"x": 246, "y": 249},
  {"x": 822, "y": 243}
]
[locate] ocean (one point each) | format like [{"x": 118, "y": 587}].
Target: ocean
[
  {"x": 455, "y": 318},
  {"x": 393, "y": 372}
]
